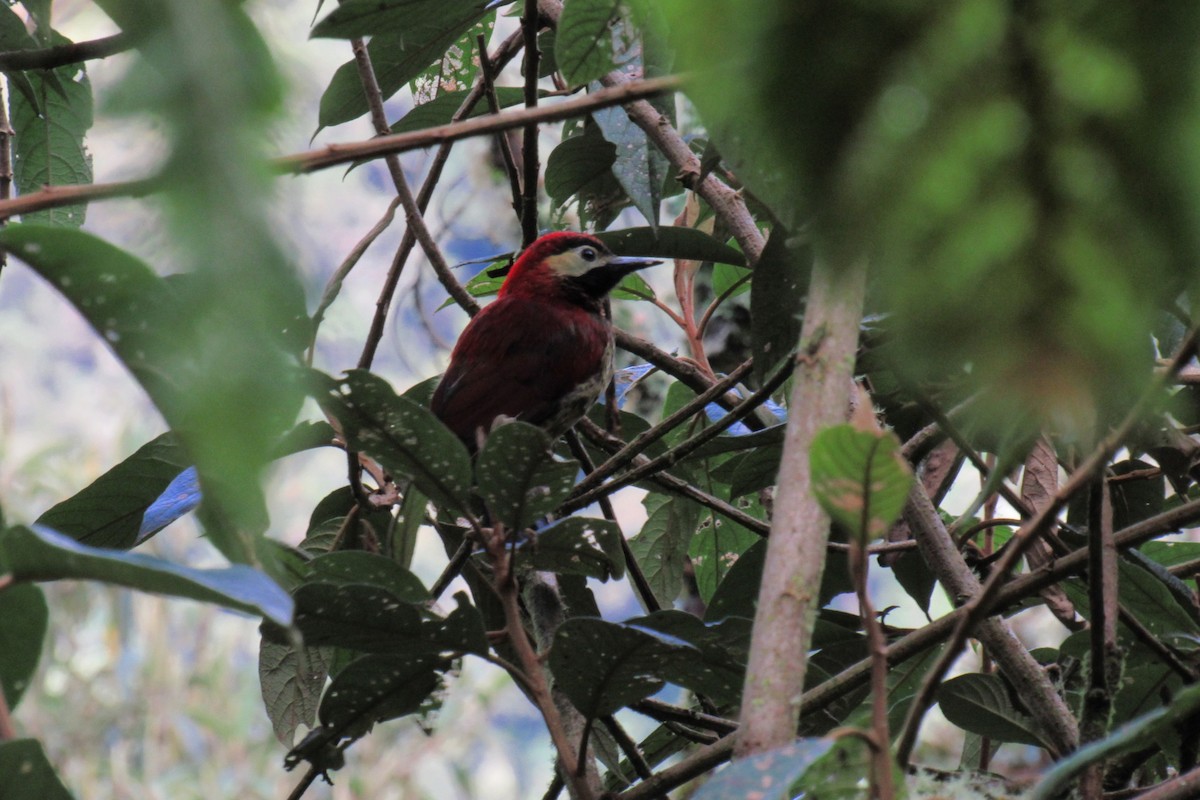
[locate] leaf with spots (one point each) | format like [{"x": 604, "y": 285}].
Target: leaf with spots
[
  {"x": 716, "y": 547},
  {"x": 372, "y": 619},
  {"x": 663, "y": 542},
  {"x": 577, "y": 546},
  {"x": 25, "y": 757},
  {"x": 26, "y": 615},
  {"x": 375, "y": 688},
  {"x": 860, "y": 479},
  {"x": 518, "y": 478},
  {"x": 768, "y": 775},
  {"x": 583, "y": 44},
  {"x": 406, "y": 439},
  {"x": 359, "y": 566},
  {"x": 717, "y": 667}
]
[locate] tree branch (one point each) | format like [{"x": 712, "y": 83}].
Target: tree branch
[
  {"x": 63, "y": 54},
  {"x": 795, "y": 559}
]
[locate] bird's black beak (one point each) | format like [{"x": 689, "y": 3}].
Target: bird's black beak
[{"x": 623, "y": 265}]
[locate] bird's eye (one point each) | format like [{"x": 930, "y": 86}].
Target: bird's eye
[{"x": 587, "y": 254}]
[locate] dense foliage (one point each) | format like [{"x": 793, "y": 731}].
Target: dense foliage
[{"x": 951, "y": 240}]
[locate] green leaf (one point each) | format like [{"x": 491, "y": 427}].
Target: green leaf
[
  {"x": 407, "y": 37},
  {"x": 714, "y": 662},
  {"x": 578, "y": 546},
  {"x": 371, "y": 619},
  {"x": 725, "y": 277},
  {"x": 358, "y": 566},
  {"x": 577, "y": 162},
  {"x": 915, "y": 576},
  {"x": 518, "y": 478},
  {"x": 860, "y": 479},
  {"x": 751, "y": 471},
  {"x": 714, "y": 550},
  {"x": 671, "y": 241},
  {"x": 406, "y": 439},
  {"x": 583, "y": 44},
  {"x": 108, "y": 512},
  {"x": 45, "y": 555},
  {"x": 25, "y": 614},
  {"x": 482, "y": 285},
  {"x": 777, "y": 300},
  {"x": 375, "y": 688},
  {"x": 980, "y": 703},
  {"x": 767, "y": 775},
  {"x": 633, "y": 287},
  {"x": 639, "y": 166},
  {"x": 602, "y": 666},
  {"x": 37, "y": 779},
  {"x": 291, "y": 680},
  {"x": 355, "y": 18},
  {"x": 663, "y": 542},
  {"x": 48, "y": 149},
  {"x": 737, "y": 594}
]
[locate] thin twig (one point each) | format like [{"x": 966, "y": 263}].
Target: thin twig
[
  {"x": 685, "y": 448},
  {"x": 665, "y": 712},
  {"x": 304, "y": 783},
  {"x": 453, "y": 568},
  {"x": 881, "y": 757},
  {"x": 636, "y": 576},
  {"x": 628, "y": 746},
  {"x": 487, "y": 74},
  {"x": 531, "y": 167}
]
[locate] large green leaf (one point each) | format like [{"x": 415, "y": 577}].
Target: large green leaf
[
  {"x": 405, "y": 438},
  {"x": 45, "y": 555},
  {"x": 663, "y": 542},
  {"x": 50, "y": 128},
  {"x": 860, "y": 479},
  {"x": 583, "y": 42},
  {"x": 30, "y": 774},
  {"x": 25, "y": 614},
  {"x": 358, "y": 566},
  {"x": 407, "y": 36},
  {"x": 375, "y": 688},
  {"x": 715, "y": 548},
  {"x": 639, "y": 166},
  {"x": 108, "y": 512},
  {"x": 575, "y": 163},
  {"x": 519, "y": 479},
  {"x": 980, "y": 703},
  {"x": 577, "y": 546}
]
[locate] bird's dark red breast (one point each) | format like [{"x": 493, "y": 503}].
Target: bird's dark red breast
[{"x": 526, "y": 357}]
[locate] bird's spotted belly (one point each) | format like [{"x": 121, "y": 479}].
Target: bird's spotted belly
[{"x": 575, "y": 403}]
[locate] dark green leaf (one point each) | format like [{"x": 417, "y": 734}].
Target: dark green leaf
[
  {"x": 715, "y": 667},
  {"x": 406, "y": 439},
  {"x": 916, "y": 577},
  {"x": 767, "y": 775},
  {"x": 291, "y": 680},
  {"x": 355, "y": 18},
  {"x": 49, "y": 146},
  {"x": 375, "y": 688},
  {"x": 30, "y": 774},
  {"x": 603, "y": 666},
  {"x": 25, "y": 614},
  {"x": 752, "y": 441},
  {"x": 751, "y": 471},
  {"x": 980, "y": 703},
  {"x": 357, "y": 566},
  {"x": 108, "y": 512},
  {"x": 578, "y": 546},
  {"x": 518, "y": 478},
  {"x": 737, "y": 594},
  {"x": 860, "y": 479},
  {"x": 777, "y": 300},
  {"x": 482, "y": 285},
  {"x": 414, "y": 34},
  {"x": 575, "y": 163},
  {"x": 44, "y": 555},
  {"x": 371, "y": 619},
  {"x": 1134, "y": 501}
]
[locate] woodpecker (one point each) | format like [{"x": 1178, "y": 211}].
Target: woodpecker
[{"x": 542, "y": 351}]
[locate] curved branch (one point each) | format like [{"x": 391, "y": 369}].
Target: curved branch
[{"x": 61, "y": 55}]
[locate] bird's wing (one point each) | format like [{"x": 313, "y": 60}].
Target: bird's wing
[{"x": 518, "y": 357}]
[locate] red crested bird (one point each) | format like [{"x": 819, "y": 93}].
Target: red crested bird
[{"x": 542, "y": 351}]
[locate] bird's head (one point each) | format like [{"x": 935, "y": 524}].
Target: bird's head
[{"x": 572, "y": 266}]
